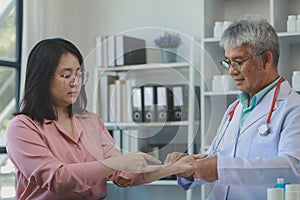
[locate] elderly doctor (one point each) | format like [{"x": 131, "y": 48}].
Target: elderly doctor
[{"x": 259, "y": 137}]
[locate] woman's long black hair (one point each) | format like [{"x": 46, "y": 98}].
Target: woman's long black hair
[{"x": 42, "y": 63}]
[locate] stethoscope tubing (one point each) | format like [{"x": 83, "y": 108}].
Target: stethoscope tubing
[{"x": 231, "y": 114}]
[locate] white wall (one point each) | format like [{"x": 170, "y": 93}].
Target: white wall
[{"x": 81, "y": 21}]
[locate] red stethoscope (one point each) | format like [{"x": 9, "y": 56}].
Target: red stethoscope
[{"x": 263, "y": 129}]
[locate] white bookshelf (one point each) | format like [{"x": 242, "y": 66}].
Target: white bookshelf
[{"x": 186, "y": 72}]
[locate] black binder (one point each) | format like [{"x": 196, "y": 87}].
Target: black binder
[
  {"x": 161, "y": 103},
  {"x": 148, "y": 103},
  {"x": 137, "y": 105}
]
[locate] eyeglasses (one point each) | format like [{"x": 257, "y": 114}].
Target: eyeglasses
[
  {"x": 236, "y": 64},
  {"x": 67, "y": 76}
]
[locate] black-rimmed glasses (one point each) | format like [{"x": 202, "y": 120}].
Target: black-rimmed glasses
[{"x": 236, "y": 64}]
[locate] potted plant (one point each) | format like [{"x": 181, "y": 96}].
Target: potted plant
[{"x": 168, "y": 43}]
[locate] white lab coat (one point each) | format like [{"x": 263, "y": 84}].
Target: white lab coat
[{"x": 248, "y": 164}]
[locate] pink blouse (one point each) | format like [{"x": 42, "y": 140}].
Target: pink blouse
[{"x": 51, "y": 165}]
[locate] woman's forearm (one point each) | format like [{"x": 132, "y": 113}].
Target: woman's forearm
[{"x": 162, "y": 172}]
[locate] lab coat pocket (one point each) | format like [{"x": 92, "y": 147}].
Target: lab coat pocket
[{"x": 263, "y": 146}]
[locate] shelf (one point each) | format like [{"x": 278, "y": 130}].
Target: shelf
[
  {"x": 210, "y": 93},
  {"x": 290, "y": 37},
  {"x": 129, "y": 125},
  {"x": 149, "y": 66},
  {"x": 296, "y": 89},
  {"x": 158, "y": 182},
  {"x": 164, "y": 182}
]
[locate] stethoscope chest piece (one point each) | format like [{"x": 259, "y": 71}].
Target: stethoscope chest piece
[{"x": 263, "y": 129}]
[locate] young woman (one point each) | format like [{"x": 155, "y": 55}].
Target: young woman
[{"x": 61, "y": 150}]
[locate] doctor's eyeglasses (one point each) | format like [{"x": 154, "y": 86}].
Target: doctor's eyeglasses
[
  {"x": 236, "y": 64},
  {"x": 69, "y": 77}
]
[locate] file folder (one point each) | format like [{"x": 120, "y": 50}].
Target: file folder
[
  {"x": 180, "y": 102},
  {"x": 148, "y": 104},
  {"x": 137, "y": 109},
  {"x": 161, "y": 104}
]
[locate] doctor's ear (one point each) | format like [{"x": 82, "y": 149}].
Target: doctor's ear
[{"x": 267, "y": 58}]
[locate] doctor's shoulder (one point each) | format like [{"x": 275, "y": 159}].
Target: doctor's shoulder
[{"x": 293, "y": 97}]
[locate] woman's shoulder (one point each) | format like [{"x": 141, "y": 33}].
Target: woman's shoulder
[
  {"x": 21, "y": 118},
  {"x": 21, "y": 121}
]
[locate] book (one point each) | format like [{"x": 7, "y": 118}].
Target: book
[
  {"x": 101, "y": 51},
  {"x": 118, "y": 99},
  {"x": 127, "y": 109},
  {"x": 111, "y": 51},
  {"x": 104, "y": 97},
  {"x": 117, "y": 135},
  {"x": 112, "y": 103}
]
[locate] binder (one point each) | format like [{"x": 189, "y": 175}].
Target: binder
[
  {"x": 179, "y": 102},
  {"x": 137, "y": 109},
  {"x": 197, "y": 102},
  {"x": 170, "y": 103},
  {"x": 161, "y": 114},
  {"x": 148, "y": 103},
  {"x": 129, "y": 50}
]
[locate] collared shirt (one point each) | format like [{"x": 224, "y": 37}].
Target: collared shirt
[
  {"x": 52, "y": 165},
  {"x": 243, "y": 98}
]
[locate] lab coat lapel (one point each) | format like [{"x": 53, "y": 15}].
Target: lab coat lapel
[
  {"x": 263, "y": 107},
  {"x": 261, "y": 110}
]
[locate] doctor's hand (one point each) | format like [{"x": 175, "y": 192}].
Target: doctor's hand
[
  {"x": 185, "y": 161},
  {"x": 205, "y": 169}
]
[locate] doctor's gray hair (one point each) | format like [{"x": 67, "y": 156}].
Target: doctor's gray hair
[{"x": 254, "y": 31}]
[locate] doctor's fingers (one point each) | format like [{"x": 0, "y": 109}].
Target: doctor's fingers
[
  {"x": 173, "y": 157},
  {"x": 187, "y": 160}
]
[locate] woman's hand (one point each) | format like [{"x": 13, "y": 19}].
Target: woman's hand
[
  {"x": 130, "y": 162},
  {"x": 173, "y": 157}
]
